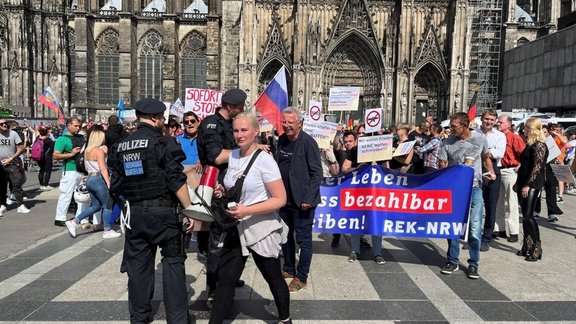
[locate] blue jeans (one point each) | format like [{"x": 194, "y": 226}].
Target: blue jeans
[
  {"x": 299, "y": 231},
  {"x": 376, "y": 244},
  {"x": 98, "y": 191},
  {"x": 474, "y": 232}
]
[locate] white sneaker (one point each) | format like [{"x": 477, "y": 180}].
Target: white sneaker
[
  {"x": 2, "y": 210},
  {"x": 23, "y": 210},
  {"x": 71, "y": 225},
  {"x": 10, "y": 201},
  {"x": 110, "y": 234},
  {"x": 84, "y": 221}
]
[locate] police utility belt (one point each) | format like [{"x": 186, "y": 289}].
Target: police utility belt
[{"x": 125, "y": 216}]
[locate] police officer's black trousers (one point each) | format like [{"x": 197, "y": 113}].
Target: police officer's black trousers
[
  {"x": 231, "y": 265},
  {"x": 154, "y": 227}
]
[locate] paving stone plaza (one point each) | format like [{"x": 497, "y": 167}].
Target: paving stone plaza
[{"x": 46, "y": 276}]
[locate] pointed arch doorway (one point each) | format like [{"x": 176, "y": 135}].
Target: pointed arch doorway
[
  {"x": 430, "y": 93},
  {"x": 268, "y": 73},
  {"x": 353, "y": 62}
]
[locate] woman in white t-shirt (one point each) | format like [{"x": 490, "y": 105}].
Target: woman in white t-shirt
[{"x": 261, "y": 230}]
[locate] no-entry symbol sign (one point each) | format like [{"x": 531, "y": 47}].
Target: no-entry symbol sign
[
  {"x": 373, "y": 120},
  {"x": 315, "y": 113}
]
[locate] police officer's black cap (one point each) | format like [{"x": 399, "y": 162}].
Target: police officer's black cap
[
  {"x": 234, "y": 97},
  {"x": 149, "y": 106}
]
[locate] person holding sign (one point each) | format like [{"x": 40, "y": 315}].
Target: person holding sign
[
  {"x": 402, "y": 163},
  {"x": 530, "y": 181},
  {"x": 351, "y": 164},
  {"x": 470, "y": 148}
]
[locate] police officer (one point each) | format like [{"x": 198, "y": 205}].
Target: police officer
[
  {"x": 215, "y": 136},
  {"x": 147, "y": 171}
]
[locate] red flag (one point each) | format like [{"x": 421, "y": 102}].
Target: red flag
[{"x": 473, "y": 107}]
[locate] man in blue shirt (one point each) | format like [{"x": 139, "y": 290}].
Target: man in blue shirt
[{"x": 188, "y": 142}]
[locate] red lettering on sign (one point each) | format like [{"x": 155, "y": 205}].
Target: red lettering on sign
[{"x": 397, "y": 200}]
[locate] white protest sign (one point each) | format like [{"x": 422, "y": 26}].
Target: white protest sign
[
  {"x": 404, "y": 148},
  {"x": 315, "y": 110},
  {"x": 177, "y": 109},
  {"x": 562, "y": 173},
  {"x": 202, "y": 101},
  {"x": 128, "y": 116},
  {"x": 322, "y": 131},
  {"x": 373, "y": 120},
  {"x": 344, "y": 99},
  {"x": 167, "y": 111},
  {"x": 553, "y": 150},
  {"x": 374, "y": 148}
]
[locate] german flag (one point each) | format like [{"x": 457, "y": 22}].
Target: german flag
[{"x": 473, "y": 110}]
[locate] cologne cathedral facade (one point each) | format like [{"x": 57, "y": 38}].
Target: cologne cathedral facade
[{"x": 411, "y": 57}]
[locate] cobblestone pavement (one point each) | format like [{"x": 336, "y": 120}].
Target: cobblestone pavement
[{"x": 46, "y": 276}]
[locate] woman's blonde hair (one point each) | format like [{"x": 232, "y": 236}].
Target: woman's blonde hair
[
  {"x": 536, "y": 134},
  {"x": 253, "y": 119},
  {"x": 96, "y": 139},
  {"x": 405, "y": 127}
]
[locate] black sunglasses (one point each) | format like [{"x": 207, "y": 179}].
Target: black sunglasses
[
  {"x": 4, "y": 124},
  {"x": 190, "y": 121}
]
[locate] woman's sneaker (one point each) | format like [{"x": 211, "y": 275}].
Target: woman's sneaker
[
  {"x": 110, "y": 234},
  {"x": 71, "y": 225}
]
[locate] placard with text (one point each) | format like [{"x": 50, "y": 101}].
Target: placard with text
[
  {"x": 322, "y": 131},
  {"x": 375, "y": 148},
  {"x": 202, "y": 101},
  {"x": 378, "y": 201}
]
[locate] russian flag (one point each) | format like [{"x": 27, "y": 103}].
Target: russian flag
[
  {"x": 49, "y": 99},
  {"x": 274, "y": 100}
]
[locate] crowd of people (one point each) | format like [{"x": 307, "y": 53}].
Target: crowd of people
[{"x": 151, "y": 169}]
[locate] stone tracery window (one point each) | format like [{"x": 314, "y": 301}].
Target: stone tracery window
[
  {"x": 151, "y": 61},
  {"x": 72, "y": 62},
  {"x": 108, "y": 67},
  {"x": 192, "y": 62}
]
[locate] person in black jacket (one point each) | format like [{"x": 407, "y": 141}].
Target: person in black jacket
[
  {"x": 115, "y": 131},
  {"x": 147, "y": 171},
  {"x": 298, "y": 158},
  {"x": 45, "y": 164}
]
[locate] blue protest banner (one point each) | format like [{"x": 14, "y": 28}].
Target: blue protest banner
[{"x": 378, "y": 201}]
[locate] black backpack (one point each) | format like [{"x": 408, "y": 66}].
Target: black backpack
[{"x": 79, "y": 141}]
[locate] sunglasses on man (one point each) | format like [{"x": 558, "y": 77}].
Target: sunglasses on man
[{"x": 190, "y": 121}]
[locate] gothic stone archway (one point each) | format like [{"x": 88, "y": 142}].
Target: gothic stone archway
[
  {"x": 430, "y": 93},
  {"x": 353, "y": 63}
]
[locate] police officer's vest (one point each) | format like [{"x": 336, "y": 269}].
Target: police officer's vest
[{"x": 143, "y": 172}]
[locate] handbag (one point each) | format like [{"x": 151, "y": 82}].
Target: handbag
[{"x": 223, "y": 233}]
